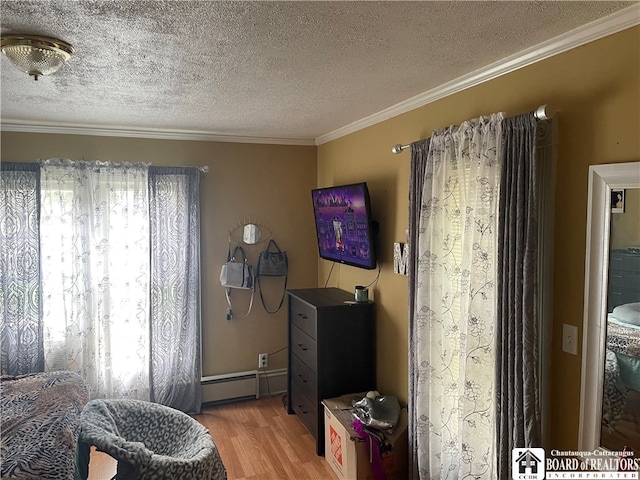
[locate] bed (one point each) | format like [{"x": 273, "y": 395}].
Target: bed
[
  {"x": 623, "y": 338},
  {"x": 622, "y": 362},
  {"x": 40, "y": 424}
]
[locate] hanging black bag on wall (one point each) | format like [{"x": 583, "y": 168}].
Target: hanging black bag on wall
[{"x": 273, "y": 264}]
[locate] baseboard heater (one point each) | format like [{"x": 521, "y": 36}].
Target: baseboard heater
[{"x": 230, "y": 387}]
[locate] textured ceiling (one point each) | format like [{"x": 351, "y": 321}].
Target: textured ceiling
[{"x": 288, "y": 70}]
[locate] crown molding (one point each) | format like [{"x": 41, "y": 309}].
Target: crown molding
[
  {"x": 157, "y": 134},
  {"x": 616, "y": 22}
]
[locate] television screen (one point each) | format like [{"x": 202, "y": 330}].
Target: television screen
[{"x": 344, "y": 225}]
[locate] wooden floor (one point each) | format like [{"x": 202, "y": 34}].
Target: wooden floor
[{"x": 257, "y": 440}]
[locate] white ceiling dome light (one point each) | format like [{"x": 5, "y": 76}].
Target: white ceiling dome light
[{"x": 34, "y": 54}]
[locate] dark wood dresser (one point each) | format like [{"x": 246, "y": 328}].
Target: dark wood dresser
[
  {"x": 624, "y": 278},
  {"x": 331, "y": 352}
]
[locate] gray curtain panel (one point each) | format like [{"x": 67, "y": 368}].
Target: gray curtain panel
[
  {"x": 21, "y": 319},
  {"x": 175, "y": 287},
  {"x": 518, "y": 416},
  {"x": 419, "y": 152}
]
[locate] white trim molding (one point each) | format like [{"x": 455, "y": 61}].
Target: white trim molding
[
  {"x": 602, "y": 178},
  {"x": 616, "y": 22},
  {"x": 158, "y": 134}
]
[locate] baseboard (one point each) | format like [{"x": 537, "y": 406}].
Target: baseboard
[
  {"x": 248, "y": 385},
  {"x": 229, "y": 387}
]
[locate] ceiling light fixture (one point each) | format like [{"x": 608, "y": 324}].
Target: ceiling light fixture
[{"x": 34, "y": 54}]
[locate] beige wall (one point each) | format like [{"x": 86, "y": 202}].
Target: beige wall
[
  {"x": 269, "y": 184},
  {"x": 596, "y": 92}
]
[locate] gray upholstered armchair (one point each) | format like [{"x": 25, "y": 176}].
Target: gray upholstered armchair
[{"x": 149, "y": 441}]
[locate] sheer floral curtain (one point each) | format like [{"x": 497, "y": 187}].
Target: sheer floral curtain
[
  {"x": 453, "y": 321},
  {"x": 95, "y": 264}
]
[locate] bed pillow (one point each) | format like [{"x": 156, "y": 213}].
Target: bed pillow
[{"x": 628, "y": 313}]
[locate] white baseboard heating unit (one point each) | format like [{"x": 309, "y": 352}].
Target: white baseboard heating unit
[{"x": 230, "y": 387}]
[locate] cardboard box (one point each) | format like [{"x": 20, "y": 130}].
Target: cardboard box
[{"x": 348, "y": 454}]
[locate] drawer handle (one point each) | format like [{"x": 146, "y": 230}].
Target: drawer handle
[
  {"x": 616, "y": 293},
  {"x": 617, "y": 276},
  {"x": 302, "y": 378},
  {"x": 302, "y": 347},
  {"x": 302, "y": 316}
]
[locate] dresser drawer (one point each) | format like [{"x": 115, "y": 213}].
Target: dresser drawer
[
  {"x": 624, "y": 280},
  {"x": 623, "y": 261},
  {"x": 303, "y": 316},
  {"x": 304, "y": 378},
  {"x": 306, "y": 409},
  {"x": 621, "y": 296},
  {"x": 304, "y": 347}
]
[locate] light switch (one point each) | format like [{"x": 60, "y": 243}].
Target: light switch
[{"x": 570, "y": 339}]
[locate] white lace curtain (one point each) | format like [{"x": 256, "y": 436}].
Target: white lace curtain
[
  {"x": 95, "y": 283},
  {"x": 452, "y": 340}
]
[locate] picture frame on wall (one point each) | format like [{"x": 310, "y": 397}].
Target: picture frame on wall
[{"x": 617, "y": 200}]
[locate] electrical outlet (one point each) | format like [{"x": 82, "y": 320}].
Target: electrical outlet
[
  {"x": 263, "y": 360},
  {"x": 570, "y": 339}
]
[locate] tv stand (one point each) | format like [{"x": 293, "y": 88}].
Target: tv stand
[{"x": 331, "y": 352}]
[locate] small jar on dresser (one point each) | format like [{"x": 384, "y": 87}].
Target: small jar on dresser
[{"x": 331, "y": 352}]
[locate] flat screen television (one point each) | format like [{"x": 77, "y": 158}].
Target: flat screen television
[{"x": 344, "y": 225}]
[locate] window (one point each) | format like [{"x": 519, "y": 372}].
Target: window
[{"x": 109, "y": 252}]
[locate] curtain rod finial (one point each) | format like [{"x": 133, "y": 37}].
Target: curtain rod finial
[
  {"x": 542, "y": 112},
  {"x": 397, "y": 148}
]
